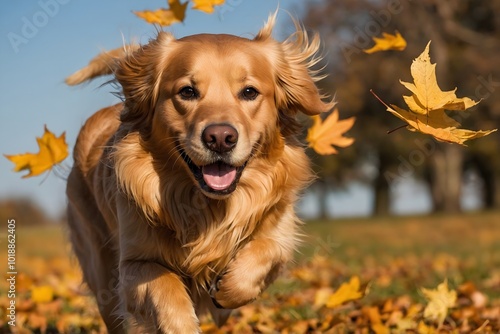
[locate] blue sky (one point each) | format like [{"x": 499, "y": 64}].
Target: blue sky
[{"x": 42, "y": 42}]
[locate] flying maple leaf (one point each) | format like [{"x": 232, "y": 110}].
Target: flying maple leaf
[
  {"x": 207, "y": 6},
  {"x": 440, "y": 300},
  {"x": 53, "y": 150},
  {"x": 427, "y": 95},
  {"x": 346, "y": 292},
  {"x": 323, "y": 134},
  {"x": 437, "y": 125},
  {"x": 428, "y": 105},
  {"x": 388, "y": 42},
  {"x": 165, "y": 17}
]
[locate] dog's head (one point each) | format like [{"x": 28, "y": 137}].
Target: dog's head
[{"x": 215, "y": 102}]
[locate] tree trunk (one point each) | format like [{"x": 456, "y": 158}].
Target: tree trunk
[
  {"x": 382, "y": 201},
  {"x": 382, "y": 197},
  {"x": 446, "y": 178},
  {"x": 491, "y": 182},
  {"x": 321, "y": 190},
  {"x": 496, "y": 200}
]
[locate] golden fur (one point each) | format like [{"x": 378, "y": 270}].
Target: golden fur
[{"x": 155, "y": 247}]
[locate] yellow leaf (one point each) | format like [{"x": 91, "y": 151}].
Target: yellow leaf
[
  {"x": 321, "y": 297},
  {"x": 207, "y": 6},
  {"x": 346, "y": 292},
  {"x": 53, "y": 150},
  {"x": 323, "y": 134},
  {"x": 428, "y": 103},
  {"x": 438, "y": 125},
  {"x": 440, "y": 300},
  {"x": 427, "y": 95},
  {"x": 388, "y": 42},
  {"x": 165, "y": 17},
  {"x": 42, "y": 294}
]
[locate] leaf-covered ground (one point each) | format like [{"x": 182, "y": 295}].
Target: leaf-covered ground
[{"x": 394, "y": 259}]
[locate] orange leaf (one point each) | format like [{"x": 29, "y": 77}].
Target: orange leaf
[
  {"x": 388, "y": 42},
  {"x": 380, "y": 329},
  {"x": 37, "y": 321},
  {"x": 207, "y": 6},
  {"x": 165, "y": 17},
  {"x": 53, "y": 150},
  {"x": 346, "y": 292},
  {"x": 323, "y": 134}
]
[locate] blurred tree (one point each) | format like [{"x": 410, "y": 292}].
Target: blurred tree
[
  {"x": 23, "y": 210},
  {"x": 465, "y": 38}
]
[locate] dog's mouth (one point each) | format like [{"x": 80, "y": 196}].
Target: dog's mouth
[{"x": 218, "y": 178}]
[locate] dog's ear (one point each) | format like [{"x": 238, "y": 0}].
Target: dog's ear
[
  {"x": 139, "y": 74},
  {"x": 293, "y": 60}
]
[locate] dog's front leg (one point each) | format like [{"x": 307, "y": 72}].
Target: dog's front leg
[
  {"x": 156, "y": 298},
  {"x": 253, "y": 269},
  {"x": 257, "y": 264}
]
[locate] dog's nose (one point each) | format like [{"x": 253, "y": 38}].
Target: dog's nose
[{"x": 220, "y": 138}]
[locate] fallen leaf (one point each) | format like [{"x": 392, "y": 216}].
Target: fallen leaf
[
  {"x": 380, "y": 329},
  {"x": 374, "y": 316},
  {"x": 42, "y": 294},
  {"x": 346, "y": 292},
  {"x": 323, "y": 134},
  {"x": 427, "y": 95},
  {"x": 422, "y": 328},
  {"x": 482, "y": 328},
  {"x": 207, "y": 6},
  {"x": 23, "y": 282},
  {"x": 37, "y": 321},
  {"x": 321, "y": 297},
  {"x": 165, "y": 17},
  {"x": 53, "y": 150},
  {"x": 388, "y": 42},
  {"x": 439, "y": 301}
]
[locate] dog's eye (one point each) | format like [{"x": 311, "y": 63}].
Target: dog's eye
[
  {"x": 249, "y": 93},
  {"x": 188, "y": 93}
]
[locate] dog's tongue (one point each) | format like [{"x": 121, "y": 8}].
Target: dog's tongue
[{"x": 218, "y": 176}]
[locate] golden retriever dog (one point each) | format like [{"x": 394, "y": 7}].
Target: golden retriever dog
[{"x": 181, "y": 198}]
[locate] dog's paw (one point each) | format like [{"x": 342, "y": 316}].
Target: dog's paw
[
  {"x": 213, "y": 289},
  {"x": 228, "y": 292}
]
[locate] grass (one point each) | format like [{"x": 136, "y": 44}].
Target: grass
[
  {"x": 393, "y": 256},
  {"x": 402, "y": 253},
  {"x": 469, "y": 243}
]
